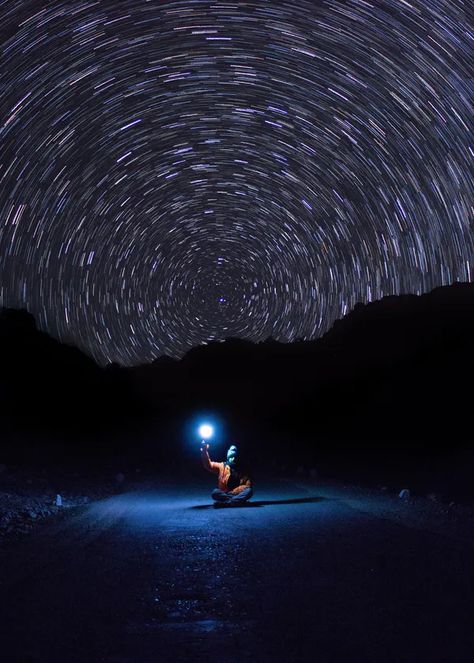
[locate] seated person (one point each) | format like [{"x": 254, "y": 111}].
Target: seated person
[{"x": 234, "y": 485}]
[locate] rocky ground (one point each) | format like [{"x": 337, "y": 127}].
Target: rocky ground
[
  {"x": 317, "y": 570},
  {"x": 434, "y": 512},
  {"x": 30, "y": 495}
]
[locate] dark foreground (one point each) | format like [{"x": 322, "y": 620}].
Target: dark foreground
[{"x": 304, "y": 574}]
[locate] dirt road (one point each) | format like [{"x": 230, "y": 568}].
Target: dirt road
[{"x": 304, "y": 574}]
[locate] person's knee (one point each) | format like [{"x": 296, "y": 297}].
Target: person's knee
[
  {"x": 244, "y": 495},
  {"x": 220, "y": 495}
]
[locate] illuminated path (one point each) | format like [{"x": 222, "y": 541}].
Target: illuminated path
[{"x": 153, "y": 576}]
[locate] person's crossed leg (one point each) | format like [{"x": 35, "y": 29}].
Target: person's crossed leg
[{"x": 220, "y": 497}]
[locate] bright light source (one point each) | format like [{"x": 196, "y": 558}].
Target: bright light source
[{"x": 206, "y": 431}]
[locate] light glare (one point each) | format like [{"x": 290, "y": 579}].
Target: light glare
[{"x": 205, "y": 431}]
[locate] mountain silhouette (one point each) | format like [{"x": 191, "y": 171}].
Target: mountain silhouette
[
  {"x": 394, "y": 374},
  {"x": 48, "y": 386}
]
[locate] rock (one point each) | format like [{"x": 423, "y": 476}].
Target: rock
[
  {"x": 59, "y": 500},
  {"x": 404, "y": 494}
]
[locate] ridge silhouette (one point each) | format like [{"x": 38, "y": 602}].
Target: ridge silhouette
[{"x": 391, "y": 377}]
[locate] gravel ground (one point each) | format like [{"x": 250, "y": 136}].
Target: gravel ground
[
  {"x": 433, "y": 512},
  {"x": 315, "y": 571},
  {"x": 29, "y": 496}
]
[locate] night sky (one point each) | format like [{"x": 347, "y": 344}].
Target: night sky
[{"x": 175, "y": 172}]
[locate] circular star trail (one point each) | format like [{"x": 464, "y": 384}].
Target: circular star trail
[{"x": 175, "y": 172}]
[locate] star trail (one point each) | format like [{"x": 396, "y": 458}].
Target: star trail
[{"x": 178, "y": 172}]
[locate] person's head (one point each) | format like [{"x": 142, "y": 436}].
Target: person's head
[{"x": 232, "y": 455}]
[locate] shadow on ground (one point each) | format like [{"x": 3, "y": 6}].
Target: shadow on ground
[{"x": 296, "y": 500}]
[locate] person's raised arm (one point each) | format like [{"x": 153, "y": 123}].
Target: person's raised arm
[{"x": 207, "y": 463}]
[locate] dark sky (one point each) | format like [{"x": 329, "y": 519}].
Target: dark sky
[{"x": 174, "y": 172}]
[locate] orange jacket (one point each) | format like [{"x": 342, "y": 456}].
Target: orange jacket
[{"x": 223, "y": 470}]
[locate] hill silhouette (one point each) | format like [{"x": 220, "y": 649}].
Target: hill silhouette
[
  {"x": 389, "y": 384},
  {"x": 392, "y": 377},
  {"x": 52, "y": 394}
]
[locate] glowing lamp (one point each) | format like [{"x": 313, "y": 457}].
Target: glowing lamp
[{"x": 206, "y": 431}]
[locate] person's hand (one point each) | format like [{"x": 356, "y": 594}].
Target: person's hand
[{"x": 204, "y": 446}]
